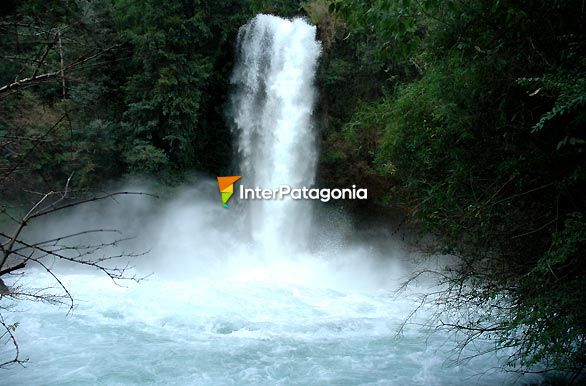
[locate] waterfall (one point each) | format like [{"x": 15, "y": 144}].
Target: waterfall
[
  {"x": 219, "y": 309},
  {"x": 272, "y": 118}
]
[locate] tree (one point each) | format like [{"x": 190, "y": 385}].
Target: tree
[
  {"x": 178, "y": 82},
  {"x": 43, "y": 56},
  {"x": 481, "y": 130}
]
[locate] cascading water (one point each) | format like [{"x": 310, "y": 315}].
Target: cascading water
[
  {"x": 272, "y": 112},
  {"x": 221, "y": 310}
]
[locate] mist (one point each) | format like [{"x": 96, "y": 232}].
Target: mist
[{"x": 260, "y": 292}]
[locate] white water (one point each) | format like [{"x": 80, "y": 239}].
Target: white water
[
  {"x": 272, "y": 108},
  {"x": 238, "y": 296}
]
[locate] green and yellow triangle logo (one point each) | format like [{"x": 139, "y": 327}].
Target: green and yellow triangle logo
[{"x": 226, "y": 187}]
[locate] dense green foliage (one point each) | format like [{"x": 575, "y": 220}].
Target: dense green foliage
[
  {"x": 481, "y": 130},
  {"x": 142, "y": 91},
  {"x": 177, "y": 82}
]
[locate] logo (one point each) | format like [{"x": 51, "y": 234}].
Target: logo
[{"x": 226, "y": 186}]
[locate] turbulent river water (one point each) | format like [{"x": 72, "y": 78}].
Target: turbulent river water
[{"x": 265, "y": 292}]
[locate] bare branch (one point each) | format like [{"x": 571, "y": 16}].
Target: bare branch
[
  {"x": 16, "y": 267},
  {"x": 8, "y": 332},
  {"x": 36, "y": 79}
]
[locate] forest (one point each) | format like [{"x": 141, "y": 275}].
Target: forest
[{"x": 467, "y": 117}]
